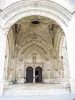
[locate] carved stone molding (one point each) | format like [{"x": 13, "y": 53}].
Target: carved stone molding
[{"x": 27, "y": 7}]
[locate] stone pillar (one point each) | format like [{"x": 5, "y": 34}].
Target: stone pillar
[
  {"x": 15, "y": 69},
  {"x": 66, "y": 69},
  {"x": 55, "y": 70},
  {"x": 11, "y": 73},
  {"x": 33, "y": 74},
  {"x": 3, "y": 38},
  {"x": 25, "y": 74},
  {"x": 46, "y": 72},
  {"x": 70, "y": 37}
]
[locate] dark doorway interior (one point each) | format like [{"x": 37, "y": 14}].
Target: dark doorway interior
[
  {"x": 29, "y": 75},
  {"x": 38, "y": 75}
]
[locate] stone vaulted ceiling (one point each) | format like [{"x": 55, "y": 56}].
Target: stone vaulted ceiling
[{"x": 35, "y": 33}]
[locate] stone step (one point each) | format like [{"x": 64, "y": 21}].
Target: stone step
[{"x": 35, "y": 89}]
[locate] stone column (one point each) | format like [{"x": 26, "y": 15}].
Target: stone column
[
  {"x": 46, "y": 72},
  {"x": 15, "y": 68},
  {"x": 24, "y": 73},
  {"x": 70, "y": 37},
  {"x": 3, "y": 38},
  {"x": 66, "y": 69},
  {"x": 33, "y": 74},
  {"x": 11, "y": 75}
]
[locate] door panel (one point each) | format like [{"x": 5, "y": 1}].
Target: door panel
[
  {"x": 38, "y": 75},
  {"x": 29, "y": 75}
]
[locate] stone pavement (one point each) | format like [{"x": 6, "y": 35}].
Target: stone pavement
[
  {"x": 37, "y": 92},
  {"x": 38, "y": 97}
]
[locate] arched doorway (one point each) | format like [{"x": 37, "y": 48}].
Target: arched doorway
[
  {"x": 29, "y": 75},
  {"x": 15, "y": 14},
  {"x": 38, "y": 74}
]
